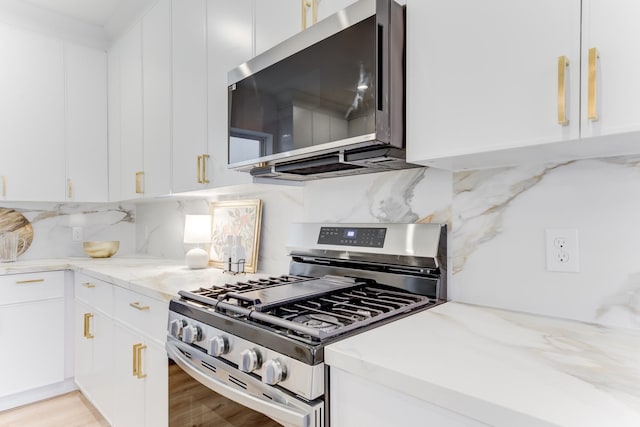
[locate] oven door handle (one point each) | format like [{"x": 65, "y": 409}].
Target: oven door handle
[{"x": 285, "y": 413}]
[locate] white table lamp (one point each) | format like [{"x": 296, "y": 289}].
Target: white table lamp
[{"x": 197, "y": 230}]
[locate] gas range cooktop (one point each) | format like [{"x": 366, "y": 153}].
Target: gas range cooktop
[{"x": 305, "y": 308}]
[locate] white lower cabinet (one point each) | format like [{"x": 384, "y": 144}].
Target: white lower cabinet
[
  {"x": 357, "y": 401},
  {"x": 93, "y": 361},
  {"x": 121, "y": 363},
  {"x": 141, "y": 378},
  {"x": 32, "y": 323}
]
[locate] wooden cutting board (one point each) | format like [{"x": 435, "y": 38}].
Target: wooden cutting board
[{"x": 12, "y": 220}]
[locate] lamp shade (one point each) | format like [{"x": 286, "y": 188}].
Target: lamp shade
[{"x": 197, "y": 229}]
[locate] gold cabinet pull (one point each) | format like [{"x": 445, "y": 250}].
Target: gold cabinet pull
[
  {"x": 205, "y": 157},
  {"x": 592, "y": 113},
  {"x": 137, "y": 360},
  {"x": 87, "y": 326},
  {"x": 89, "y": 285},
  {"x": 306, "y": 4},
  {"x": 199, "y": 169},
  {"x": 563, "y": 65},
  {"x": 24, "y": 282},
  {"x": 70, "y": 188},
  {"x": 139, "y": 183},
  {"x": 4, "y": 186},
  {"x": 139, "y": 306}
]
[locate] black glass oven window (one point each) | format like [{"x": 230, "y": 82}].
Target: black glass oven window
[{"x": 324, "y": 93}]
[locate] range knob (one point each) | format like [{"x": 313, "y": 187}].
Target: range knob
[
  {"x": 218, "y": 346},
  {"x": 175, "y": 327},
  {"x": 191, "y": 334},
  {"x": 274, "y": 372},
  {"x": 250, "y": 360}
]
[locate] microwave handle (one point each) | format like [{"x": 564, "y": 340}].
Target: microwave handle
[
  {"x": 380, "y": 65},
  {"x": 288, "y": 415}
]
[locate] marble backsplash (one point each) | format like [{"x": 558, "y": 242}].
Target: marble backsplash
[
  {"x": 52, "y": 224},
  {"x": 497, "y": 220}
]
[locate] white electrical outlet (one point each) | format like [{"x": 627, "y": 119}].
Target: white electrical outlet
[
  {"x": 76, "y": 234},
  {"x": 562, "y": 249}
]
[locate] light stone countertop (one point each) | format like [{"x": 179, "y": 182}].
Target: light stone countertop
[
  {"x": 503, "y": 368},
  {"x": 156, "y": 278},
  {"x": 500, "y": 367}
]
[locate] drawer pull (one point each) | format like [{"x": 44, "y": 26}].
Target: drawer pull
[
  {"x": 23, "y": 282},
  {"x": 139, "y": 306},
  {"x": 89, "y": 285}
]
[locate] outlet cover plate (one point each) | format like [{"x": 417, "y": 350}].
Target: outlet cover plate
[{"x": 562, "y": 250}]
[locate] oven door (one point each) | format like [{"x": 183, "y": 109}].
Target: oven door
[{"x": 228, "y": 389}]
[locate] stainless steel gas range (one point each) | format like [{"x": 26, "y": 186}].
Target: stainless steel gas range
[{"x": 260, "y": 343}]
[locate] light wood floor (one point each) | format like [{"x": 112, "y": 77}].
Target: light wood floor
[{"x": 68, "y": 410}]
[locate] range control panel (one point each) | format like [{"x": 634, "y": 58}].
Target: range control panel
[{"x": 352, "y": 236}]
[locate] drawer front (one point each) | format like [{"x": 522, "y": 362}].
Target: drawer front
[
  {"x": 95, "y": 292},
  {"x": 17, "y": 288},
  {"x": 142, "y": 313}
]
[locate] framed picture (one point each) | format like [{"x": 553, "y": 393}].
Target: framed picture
[{"x": 235, "y": 235}]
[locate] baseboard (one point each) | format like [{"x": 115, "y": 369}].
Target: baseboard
[{"x": 41, "y": 393}]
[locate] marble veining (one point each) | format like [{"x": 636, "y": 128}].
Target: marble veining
[{"x": 499, "y": 218}]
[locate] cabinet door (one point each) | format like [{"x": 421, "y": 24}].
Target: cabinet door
[
  {"x": 154, "y": 364},
  {"x": 94, "y": 357},
  {"x": 86, "y": 123},
  {"x": 130, "y": 397},
  {"x": 190, "y": 90},
  {"x": 611, "y": 26},
  {"x": 156, "y": 66},
  {"x": 31, "y": 116},
  {"x": 131, "y": 143},
  {"x": 227, "y": 49},
  {"x": 276, "y": 21},
  {"x": 35, "y": 330},
  {"x": 483, "y": 76},
  {"x": 114, "y": 121}
]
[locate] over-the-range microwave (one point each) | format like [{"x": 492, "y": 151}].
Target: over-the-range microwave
[{"x": 328, "y": 101}]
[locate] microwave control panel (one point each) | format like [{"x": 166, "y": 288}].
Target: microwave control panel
[{"x": 352, "y": 236}]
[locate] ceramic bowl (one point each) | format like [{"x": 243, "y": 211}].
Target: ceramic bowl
[{"x": 101, "y": 248}]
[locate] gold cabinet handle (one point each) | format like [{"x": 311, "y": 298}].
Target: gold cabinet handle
[
  {"x": 4, "y": 186},
  {"x": 139, "y": 183},
  {"x": 205, "y": 157},
  {"x": 137, "y": 360},
  {"x": 70, "y": 188},
  {"x": 139, "y": 306},
  {"x": 89, "y": 285},
  {"x": 306, "y": 4},
  {"x": 199, "y": 169},
  {"x": 592, "y": 113},
  {"x": 24, "y": 282},
  {"x": 87, "y": 326},
  {"x": 563, "y": 64}
]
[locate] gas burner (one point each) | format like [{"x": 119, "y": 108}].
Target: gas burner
[{"x": 323, "y": 322}]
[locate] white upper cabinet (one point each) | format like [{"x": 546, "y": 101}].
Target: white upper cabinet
[
  {"x": 611, "y": 27},
  {"x": 276, "y": 21},
  {"x": 189, "y": 41},
  {"x": 156, "y": 95},
  {"x": 32, "y": 120},
  {"x": 483, "y": 77},
  {"x": 131, "y": 131},
  {"x": 230, "y": 34},
  {"x": 86, "y": 123},
  {"x": 114, "y": 122}
]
